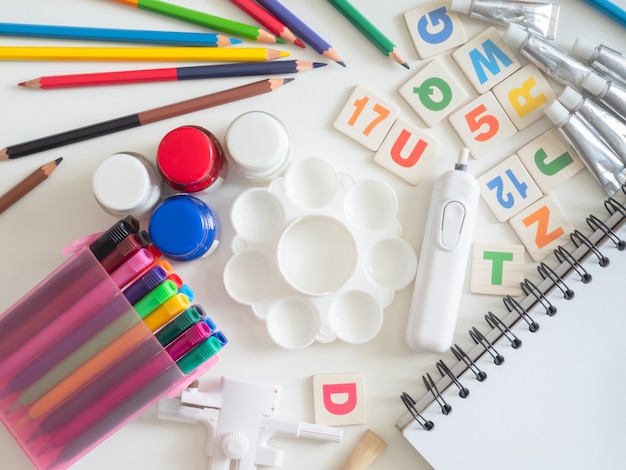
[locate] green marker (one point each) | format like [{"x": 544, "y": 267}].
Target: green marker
[
  {"x": 198, "y": 355},
  {"x": 155, "y": 298},
  {"x": 181, "y": 323}
]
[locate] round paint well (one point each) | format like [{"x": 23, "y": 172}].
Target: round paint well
[
  {"x": 257, "y": 214},
  {"x": 390, "y": 263},
  {"x": 249, "y": 277},
  {"x": 311, "y": 183},
  {"x": 371, "y": 205},
  {"x": 355, "y": 317},
  {"x": 317, "y": 254},
  {"x": 126, "y": 183},
  {"x": 191, "y": 159},
  {"x": 293, "y": 322},
  {"x": 258, "y": 145},
  {"x": 184, "y": 228}
]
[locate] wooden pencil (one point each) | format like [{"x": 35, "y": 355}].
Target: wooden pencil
[
  {"x": 206, "y": 20},
  {"x": 367, "y": 28},
  {"x": 170, "y": 38},
  {"x": 301, "y": 29},
  {"x": 264, "y": 18},
  {"x": 142, "y": 118},
  {"x": 195, "y": 72},
  {"x": 147, "y": 54},
  {"x": 29, "y": 183}
]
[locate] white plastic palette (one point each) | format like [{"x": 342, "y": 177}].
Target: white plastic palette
[{"x": 318, "y": 255}]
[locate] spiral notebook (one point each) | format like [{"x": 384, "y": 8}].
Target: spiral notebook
[{"x": 555, "y": 401}]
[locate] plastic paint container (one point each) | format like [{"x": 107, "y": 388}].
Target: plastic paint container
[
  {"x": 184, "y": 228},
  {"x": 191, "y": 159},
  {"x": 257, "y": 145},
  {"x": 126, "y": 183}
]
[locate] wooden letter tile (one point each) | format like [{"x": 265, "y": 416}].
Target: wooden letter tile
[
  {"x": 433, "y": 93},
  {"x": 486, "y": 60},
  {"x": 434, "y": 28},
  {"x": 497, "y": 269},
  {"x": 482, "y": 124},
  {"x": 542, "y": 227},
  {"x": 406, "y": 151},
  {"x": 524, "y": 95},
  {"x": 366, "y": 117},
  {"x": 507, "y": 188},
  {"x": 550, "y": 160},
  {"x": 339, "y": 399}
]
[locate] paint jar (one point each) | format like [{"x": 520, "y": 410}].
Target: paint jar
[
  {"x": 184, "y": 228},
  {"x": 126, "y": 184},
  {"x": 191, "y": 159},
  {"x": 257, "y": 145}
]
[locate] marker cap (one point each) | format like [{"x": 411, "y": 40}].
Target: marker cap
[
  {"x": 184, "y": 228},
  {"x": 198, "y": 355},
  {"x": 190, "y": 159},
  {"x": 173, "y": 306},
  {"x": 172, "y": 330},
  {"x": 155, "y": 298}
]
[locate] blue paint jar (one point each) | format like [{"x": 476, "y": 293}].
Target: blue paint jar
[{"x": 184, "y": 228}]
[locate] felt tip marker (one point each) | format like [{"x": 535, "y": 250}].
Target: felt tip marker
[{"x": 182, "y": 322}]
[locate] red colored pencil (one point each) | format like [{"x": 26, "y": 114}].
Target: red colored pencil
[{"x": 264, "y": 18}]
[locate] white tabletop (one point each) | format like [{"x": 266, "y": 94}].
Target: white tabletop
[{"x": 34, "y": 231}]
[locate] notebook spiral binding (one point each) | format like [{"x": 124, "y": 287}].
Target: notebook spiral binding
[{"x": 569, "y": 261}]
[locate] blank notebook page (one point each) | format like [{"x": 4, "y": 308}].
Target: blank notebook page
[{"x": 558, "y": 401}]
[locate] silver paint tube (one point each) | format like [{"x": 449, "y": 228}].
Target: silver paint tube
[
  {"x": 610, "y": 128},
  {"x": 610, "y": 94},
  {"x": 554, "y": 62},
  {"x": 604, "y": 165},
  {"x": 542, "y": 18},
  {"x": 602, "y": 58}
]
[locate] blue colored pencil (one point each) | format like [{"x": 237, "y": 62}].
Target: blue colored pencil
[
  {"x": 300, "y": 29},
  {"x": 172, "y": 38}
]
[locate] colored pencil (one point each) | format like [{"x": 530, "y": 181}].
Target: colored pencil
[
  {"x": 29, "y": 183},
  {"x": 206, "y": 20},
  {"x": 264, "y": 18},
  {"x": 171, "y": 38},
  {"x": 149, "y": 54},
  {"x": 195, "y": 72},
  {"x": 371, "y": 32},
  {"x": 143, "y": 118},
  {"x": 302, "y": 30}
]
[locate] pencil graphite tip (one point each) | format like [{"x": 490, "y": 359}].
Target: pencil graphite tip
[
  {"x": 406, "y": 66},
  {"x": 21, "y": 84},
  {"x": 299, "y": 43},
  {"x": 317, "y": 65},
  {"x": 58, "y": 160}
]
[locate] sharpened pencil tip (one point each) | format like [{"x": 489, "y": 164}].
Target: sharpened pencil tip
[
  {"x": 299, "y": 43},
  {"x": 21, "y": 84},
  {"x": 58, "y": 160},
  {"x": 406, "y": 66},
  {"x": 319, "y": 64},
  {"x": 287, "y": 80},
  {"x": 342, "y": 63}
]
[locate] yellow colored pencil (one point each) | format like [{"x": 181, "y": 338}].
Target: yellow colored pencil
[{"x": 148, "y": 54}]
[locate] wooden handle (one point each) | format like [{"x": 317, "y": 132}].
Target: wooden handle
[{"x": 365, "y": 452}]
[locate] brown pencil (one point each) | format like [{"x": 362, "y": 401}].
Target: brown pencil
[
  {"x": 142, "y": 118},
  {"x": 29, "y": 183}
]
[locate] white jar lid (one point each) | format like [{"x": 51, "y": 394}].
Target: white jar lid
[
  {"x": 257, "y": 144},
  {"x": 123, "y": 184}
]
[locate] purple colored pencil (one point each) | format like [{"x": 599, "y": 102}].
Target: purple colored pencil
[{"x": 301, "y": 30}]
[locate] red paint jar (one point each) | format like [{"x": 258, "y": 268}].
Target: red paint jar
[{"x": 191, "y": 159}]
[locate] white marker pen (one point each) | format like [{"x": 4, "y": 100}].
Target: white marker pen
[{"x": 443, "y": 259}]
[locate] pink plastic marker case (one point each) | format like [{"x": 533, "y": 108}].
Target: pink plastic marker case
[{"x": 68, "y": 319}]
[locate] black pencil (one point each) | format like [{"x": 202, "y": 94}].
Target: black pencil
[{"x": 142, "y": 118}]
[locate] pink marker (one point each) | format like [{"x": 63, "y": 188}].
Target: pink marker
[
  {"x": 133, "y": 267},
  {"x": 188, "y": 340}
]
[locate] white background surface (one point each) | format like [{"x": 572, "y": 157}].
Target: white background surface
[{"x": 33, "y": 232}]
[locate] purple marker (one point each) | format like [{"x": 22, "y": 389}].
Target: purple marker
[
  {"x": 301, "y": 30},
  {"x": 145, "y": 284}
]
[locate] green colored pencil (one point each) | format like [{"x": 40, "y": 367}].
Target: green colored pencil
[
  {"x": 371, "y": 32},
  {"x": 217, "y": 23}
]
